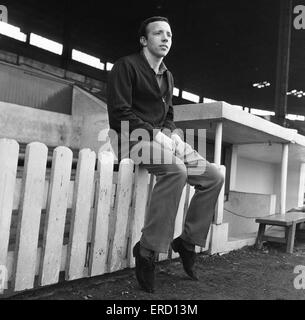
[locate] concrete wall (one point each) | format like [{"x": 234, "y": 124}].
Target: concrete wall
[
  {"x": 25, "y": 120},
  {"x": 34, "y": 89},
  {"x": 27, "y": 124},
  {"x": 92, "y": 112},
  {"x": 254, "y": 176},
  {"x": 85, "y": 104},
  {"x": 252, "y": 191},
  {"x": 91, "y": 128},
  {"x": 295, "y": 186},
  {"x": 245, "y": 206}
]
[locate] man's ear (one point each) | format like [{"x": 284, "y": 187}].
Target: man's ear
[{"x": 143, "y": 41}]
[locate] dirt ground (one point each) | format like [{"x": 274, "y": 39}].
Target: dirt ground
[{"x": 245, "y": 274}]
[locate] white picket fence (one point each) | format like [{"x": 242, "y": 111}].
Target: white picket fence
[{"x": 83, "y": 222}]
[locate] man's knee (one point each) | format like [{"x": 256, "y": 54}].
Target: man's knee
[
  {"x": 180, "y": 170},
  {"x": 218, "y": 175}
]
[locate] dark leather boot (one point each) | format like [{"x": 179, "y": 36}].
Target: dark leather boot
[
  {"x": 188, "y": 257},
  {"x": 145, "y": 270}
]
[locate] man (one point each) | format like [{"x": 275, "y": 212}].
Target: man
[{"x": 140, "y": 93}]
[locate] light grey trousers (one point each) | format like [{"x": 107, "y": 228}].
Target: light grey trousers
[{"x": 172, "y": 172}]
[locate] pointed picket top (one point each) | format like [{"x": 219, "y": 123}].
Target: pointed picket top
[{"x": 106, "y": 155}]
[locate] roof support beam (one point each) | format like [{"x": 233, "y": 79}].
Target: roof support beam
[
  {"x": 66, "y": 55},
  {"x": 283, "y": 55}
]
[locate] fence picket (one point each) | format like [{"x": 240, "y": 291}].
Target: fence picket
[
  {"x": 17, "y": 194},
  {"x": 111, "y": 225},
  {"x": 9, "y": 150},
  {"x": 83, "y": 189},
  {"x": 29, "y": 215},
  {"x": 140, "y": 195},
  {"x": 55, "y": 216},
  {"x": 118, "y": 250},
  {"x": 102, "y": 210}
]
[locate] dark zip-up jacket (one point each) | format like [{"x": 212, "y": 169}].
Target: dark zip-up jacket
[{"x": 133, "y": 95}]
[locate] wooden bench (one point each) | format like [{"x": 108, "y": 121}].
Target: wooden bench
[{"x": 288, "y": 220}]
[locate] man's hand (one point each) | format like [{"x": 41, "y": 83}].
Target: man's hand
[
  {"x": 179, "y": 143},
  {"x": 165, "y": 141}
]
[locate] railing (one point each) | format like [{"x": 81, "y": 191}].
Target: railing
[{"x": 70, "y": 222}]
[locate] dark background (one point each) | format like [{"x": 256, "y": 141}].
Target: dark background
[{"x": 220, "y": 47}]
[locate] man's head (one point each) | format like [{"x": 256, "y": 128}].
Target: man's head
[{"x": 156, "y": 36}]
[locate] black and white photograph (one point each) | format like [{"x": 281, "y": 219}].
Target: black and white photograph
[{"x": 152, "y": 153}]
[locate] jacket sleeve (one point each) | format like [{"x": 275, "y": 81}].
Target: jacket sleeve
[{"x": 119, "y": 100}]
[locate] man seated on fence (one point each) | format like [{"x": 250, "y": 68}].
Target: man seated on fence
[{"x": 140, "y": 89}]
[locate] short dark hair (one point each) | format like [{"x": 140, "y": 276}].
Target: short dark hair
[{"x": 143, "y": 31}]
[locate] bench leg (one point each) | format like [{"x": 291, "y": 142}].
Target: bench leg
[
  {"x": 260, "y": 234},
  {"x": 290, "y": 238}
]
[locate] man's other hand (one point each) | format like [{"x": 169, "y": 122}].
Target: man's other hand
[
  {"x": 165, "y": 141},
  {"x": 179, "y": 144}
]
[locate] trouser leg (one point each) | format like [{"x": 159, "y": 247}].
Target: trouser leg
[
  {"x": 161, "y": 214},
  {"x": 160, "y": 219},
  {"x": 171, "y": 178},
  {"x": 201, "y": 210}
]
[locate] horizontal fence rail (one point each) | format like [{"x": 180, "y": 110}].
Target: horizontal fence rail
[{"x": 75, "y": 221}]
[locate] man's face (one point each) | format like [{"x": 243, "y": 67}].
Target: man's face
[{"x": 159, "y": 38}]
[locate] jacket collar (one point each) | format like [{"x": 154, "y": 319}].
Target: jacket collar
[{"x": 162, "y": 67}]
